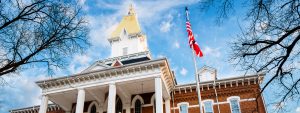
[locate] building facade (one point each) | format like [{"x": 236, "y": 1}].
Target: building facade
[{"x": 130, "y": 81}]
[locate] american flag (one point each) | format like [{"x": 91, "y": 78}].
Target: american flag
[{"x": 192, "y": 42}]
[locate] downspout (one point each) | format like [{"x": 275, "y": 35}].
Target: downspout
[
  {"x": 173, "y": 105},
  {"x": 216, "y": 96},
  {"x": 216, "y": 93}
]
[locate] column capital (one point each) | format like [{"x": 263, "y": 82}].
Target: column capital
[
  {"x": 112, "y": 83},
  {"x": 80, "y": 88}
]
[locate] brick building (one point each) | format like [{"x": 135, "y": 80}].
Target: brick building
[{"x": 130, "y": 81}]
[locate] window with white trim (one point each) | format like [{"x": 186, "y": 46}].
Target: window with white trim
[
  {"x": 183, "y": 108},
  {"x": 208, "y": 107},
  {"x": 234, "y": 105}
]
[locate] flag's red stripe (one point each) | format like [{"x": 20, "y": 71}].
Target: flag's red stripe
[{"x": 193, "y": 44}]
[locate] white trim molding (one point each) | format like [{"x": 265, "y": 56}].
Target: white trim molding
[
  {"x": 136, "y": 97},
  {"x": 152, "y": 99},
  {"x": 93, "y": 103}
]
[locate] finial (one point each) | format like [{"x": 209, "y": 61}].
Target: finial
[{"x": 131, "y": 10}]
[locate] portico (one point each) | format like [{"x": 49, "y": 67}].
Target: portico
[{"x": 105, "y": 86}]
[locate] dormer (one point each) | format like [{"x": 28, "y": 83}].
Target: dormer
[{"x": 207, "y": 73}]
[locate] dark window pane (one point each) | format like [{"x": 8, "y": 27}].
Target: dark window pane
[
  {"x": 93, "y": 109},
  {"x": 119, "y": 106},
  {"x": 137, "y": 106}
]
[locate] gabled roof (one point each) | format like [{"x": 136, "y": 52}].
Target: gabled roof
[
  {"x": 116, "y": 63},
  {"x": 96, "y": 66},
  {"x": 126, "y": 59}
]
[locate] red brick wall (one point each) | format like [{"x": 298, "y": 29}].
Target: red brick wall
[
  {"x": 147, "y": 109},
  {"x": 243, "y": 91}
]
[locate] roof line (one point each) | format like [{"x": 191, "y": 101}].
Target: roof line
[
  {"x": 225, "y": 79},
  {"x": 110, "y": 68}
]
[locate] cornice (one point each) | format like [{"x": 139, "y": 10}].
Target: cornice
[
  {"x": 112, "y": 73},
  {"x": 35, "y": 109},
  {"x": 130, "y": 35},
  {"x": 102, "y": 73},
  {"x": 222, "y": 83}
]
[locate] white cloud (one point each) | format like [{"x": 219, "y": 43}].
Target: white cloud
[
  {"x": 83, "y": 5},
  {"x": 160, "y": 56},
  {"x": 208, "y": 51},
  {"x": 298, "y": 109},
  {"x": 183, "y": 71},
  {"x": 100, "y": 29},
  {"x": 166, "y": 25},
  {"x": 157, "y": 8},
  {"x": 176, "y": 44},
  {"x": 79, "y": 63},
  {"x": 145, "y": 15},
  {"x": 82, "y": 59},
  {"x": 81, "y": 2},
  {"x": 21, "y": 90}
]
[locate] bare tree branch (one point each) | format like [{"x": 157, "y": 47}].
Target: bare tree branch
[
  {"x": 270, "y": 43},
  {"x": 41, "y": 32}
]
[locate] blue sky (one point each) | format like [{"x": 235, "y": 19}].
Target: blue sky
[{"x": 164, "y": 24}]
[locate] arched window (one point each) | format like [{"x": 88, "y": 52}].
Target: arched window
[
  {"x": 93, "y": 109},
  {"x": 119, "y": 106},
  {"x": 138, "y": 106}
]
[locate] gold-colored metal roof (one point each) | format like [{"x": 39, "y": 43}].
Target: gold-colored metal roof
[{"x": 129, "y": 23}]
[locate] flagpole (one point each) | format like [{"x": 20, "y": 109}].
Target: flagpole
[{"x": 195, "y": 66}]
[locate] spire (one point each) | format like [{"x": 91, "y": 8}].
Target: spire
[{"x": 131, "y": 10}]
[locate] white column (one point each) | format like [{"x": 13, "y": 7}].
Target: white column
[
  {"x": 111, "y": 98},
  {"x": 158, "y": 95},
  {"x": 80, "y": 101},
  {"x": 44, "y": 104},
  {"x": 128, "y": 110},
  {"x": 167, "y": 106}
]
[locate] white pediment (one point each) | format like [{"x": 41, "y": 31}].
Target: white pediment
[
  {"x": 95, "y": 66},
  {"x": 207, "y": 74}
]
